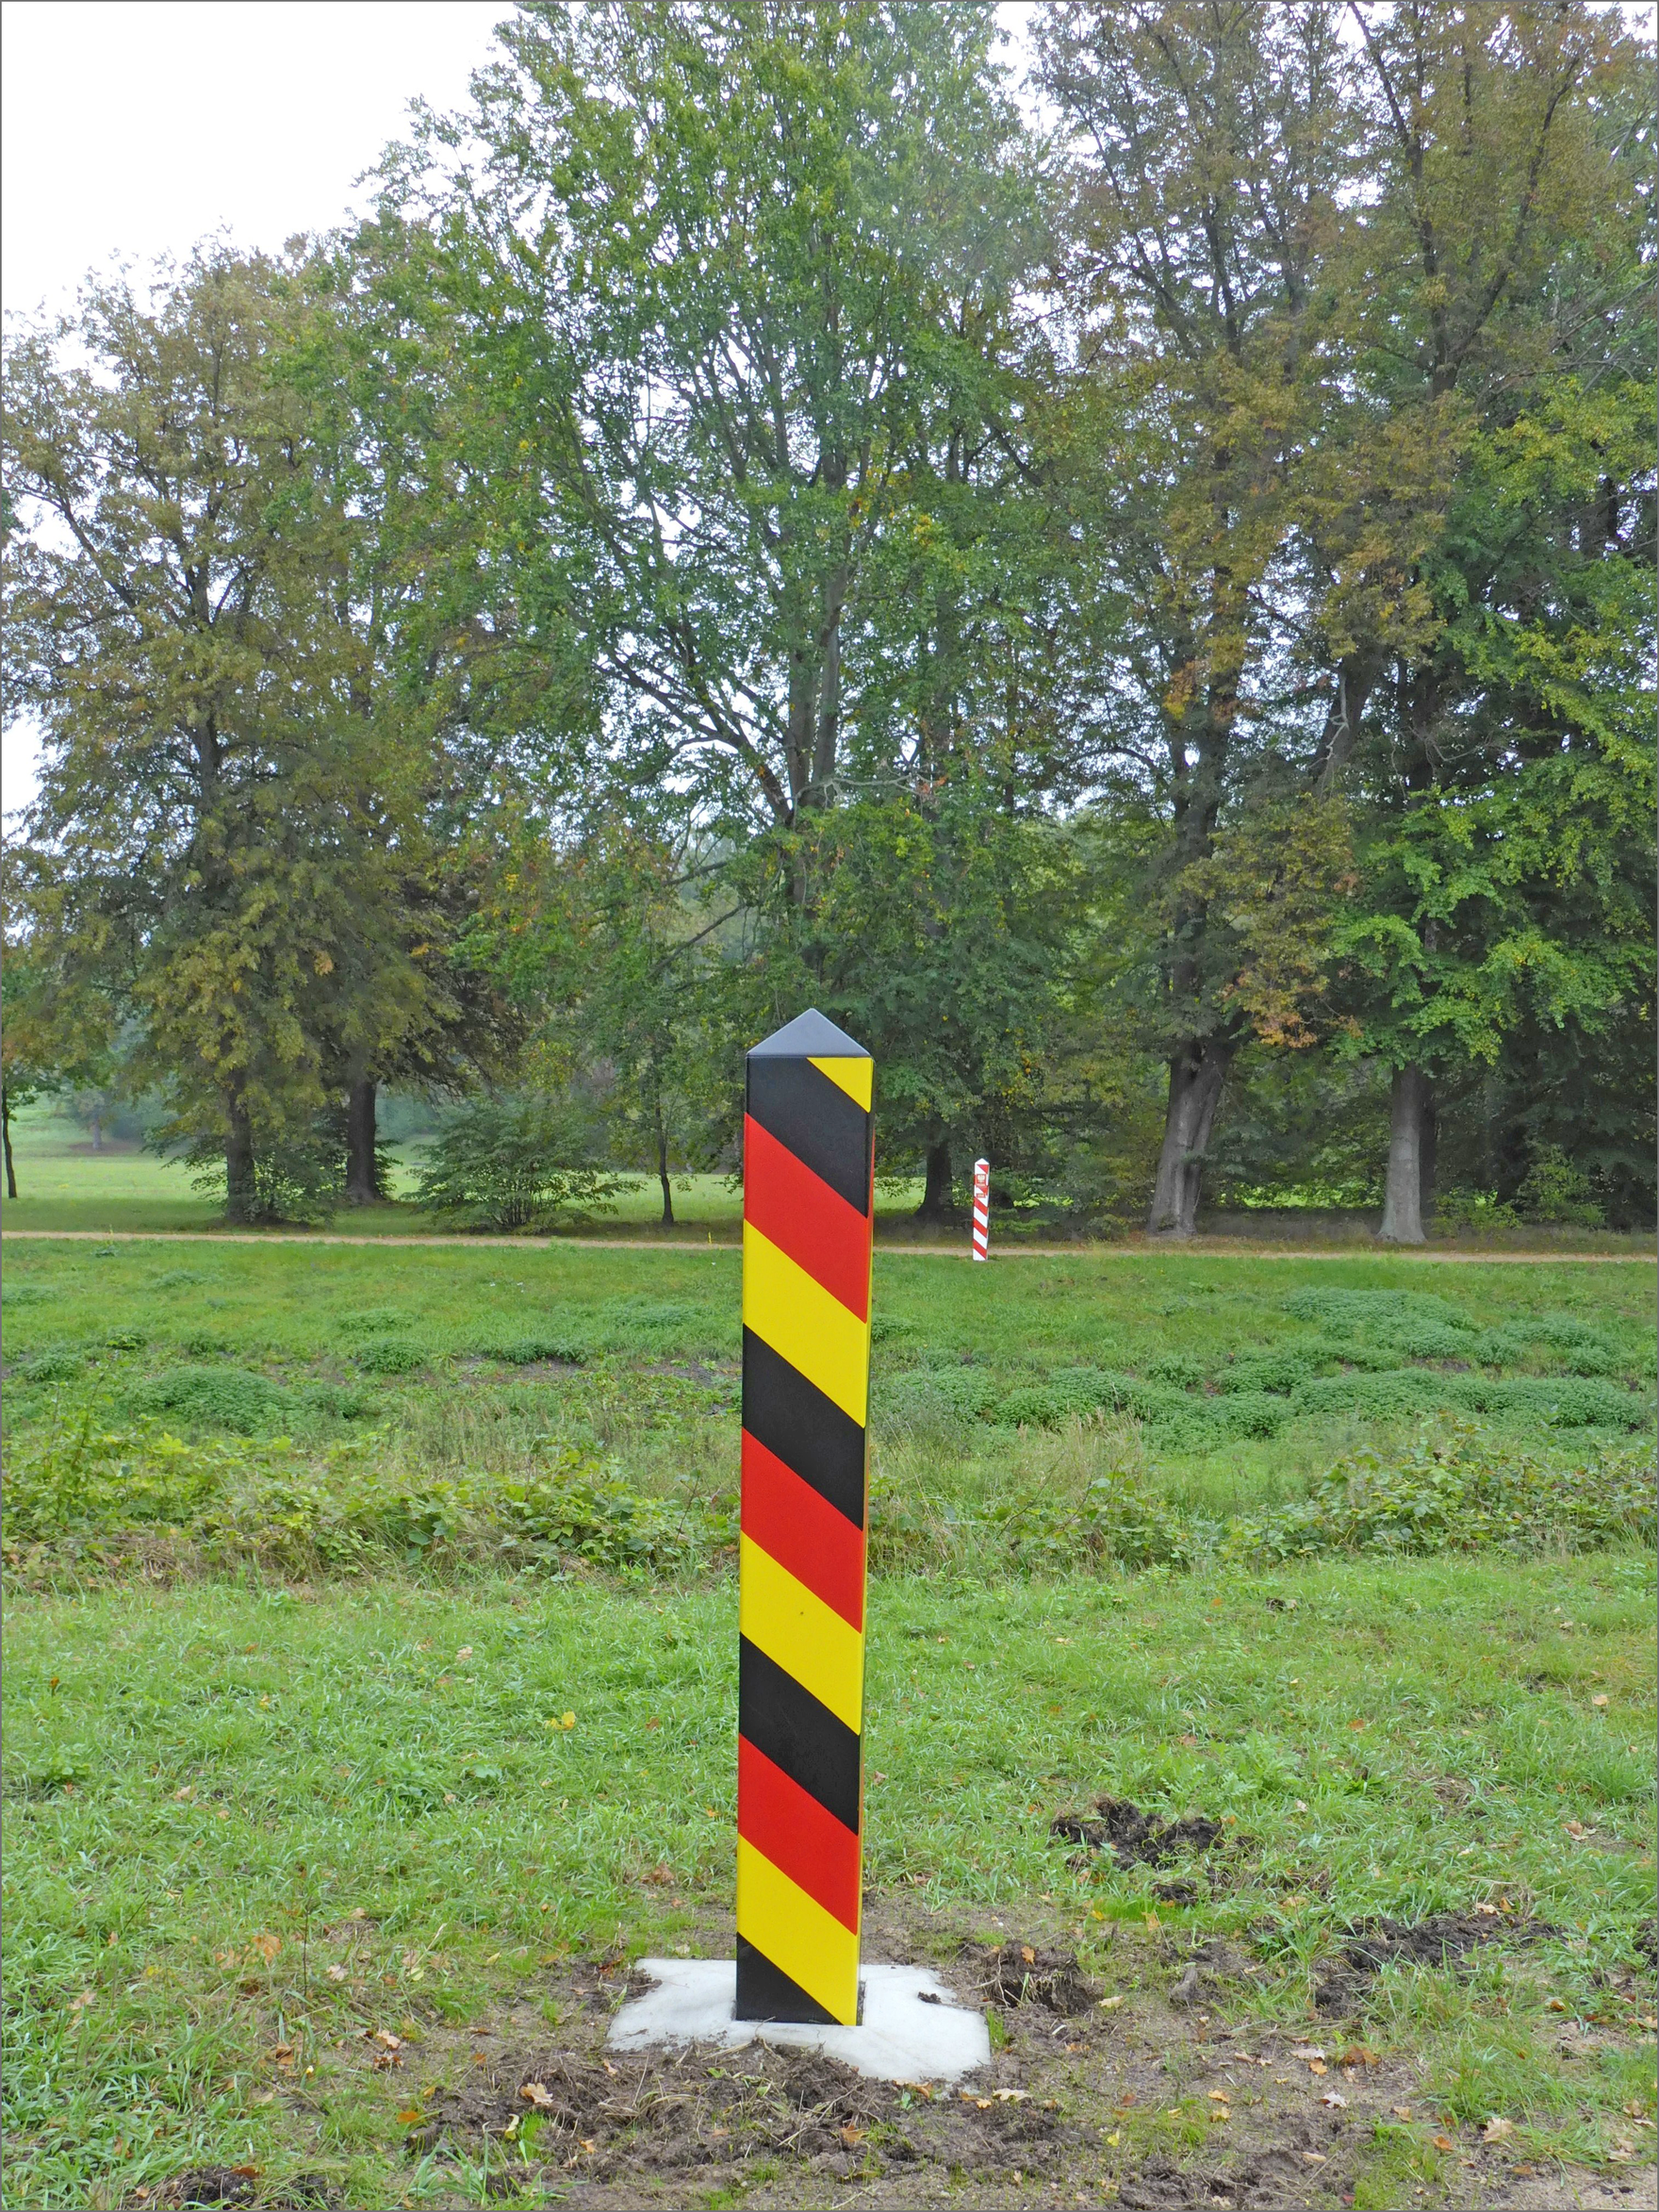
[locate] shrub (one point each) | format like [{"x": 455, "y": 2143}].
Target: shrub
[
  {"x": 299, "y": 1174},
  {"x": 51, "y": 1366},
  {"x": 84, "y": 1481},
  {"x": 1470, "y": 1491},
  {"x": 1562, "y": 1401},
  {"x": 373, "y": 1321},
  {"x": 524, "y": 1351},
  {"x": 205, "y": 1345},
  {"x": 1555, "y": 1190},
  {"x": 935, "y": 1397},
  {"x": 389, "y": 1354},
  {"x": 1377, "y": 1312},
  {"x": 25, "y": 1294},
  {"x": 1259, "y": 1371},
  {"x": 234, "y": 1398},
  {"x": 1464, "y": 1209},
  {"x": 1251, "y": 1412},
  {"x": 1177, "y": 1369},
  {"x": 502, "y": 1164}
]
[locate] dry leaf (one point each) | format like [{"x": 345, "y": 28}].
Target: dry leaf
[
  {"x": 267, "y": 1945},
  {"x": 1110, "y": 2004},
  {"x": 585, "y": 2144},
  {"x": 1401, "y": 2111},
  {"x": 537, "y": 2093},
  {"x": 1601, "y": 1700},
  {"x": 465, "y": 1652},
  {"x": 1487, "y": 1911},
  {"x": 411, "y": 2115},
  {"x": 1115, "y": 2138},
  {"x": 850, "y": 2134},
  {"x": 1010, "y": 2096},
  {"x": 1314, "y": 2157},
  {"x": 337, "y": 1973},
  {"x": 1307, "y": 2051},
  {"x": 1335, "y": 2099},
  {"x": 1316, "y": 2066},
  {"x": 1221, "y": 2096},
  {"x": 1576, "y": 1828},
  {"x": 1496, "y": 2129},
  {"x": 1359, "y": 2054},
  {"x": 385, "y": 2035},
  {"x": 1445, "y": 2143}
]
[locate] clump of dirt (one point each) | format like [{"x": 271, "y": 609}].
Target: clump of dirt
[
  {"x": 1645, "y": 1943},
  {"x": 1021, "y": 1974},
  {"x": 666, "y": 2111},
  {"x": 1444, "y": 1939},
  {"x": 208, "y": 2184},
  {"x": 1137, "y": 1838}
]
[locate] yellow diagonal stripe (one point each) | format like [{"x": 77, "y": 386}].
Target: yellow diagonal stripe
[
  {"x": 807, "y": 1638},
  {"x": 856, "y": 1077},
  {"x": 803, "y": 1940},
  {"x": 804, "y": 1324}
]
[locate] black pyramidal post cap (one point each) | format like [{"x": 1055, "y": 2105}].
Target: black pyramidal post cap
[{"x": 810, "y": 1036}]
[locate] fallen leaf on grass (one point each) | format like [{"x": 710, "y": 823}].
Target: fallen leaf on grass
[
  {"x": 1359, "y": 2054},
  {"x": 537, "y": 2093},
  {"x": 1601, "y": 1700},
  {"x": 1314, "y": 2157},
  {"x": 1496, "y": 2129},
  {"x": 1445, "y": 2143},
  {"x": 1335, "y": 2099},
  {"x": 1576, "y": 1828},
  {"x": 1115, "y": 2138},
  {"x": 411, "y": 2116},
  {"x": 850, "y": 2134},
  {"x": 1010, "y": 2096},
  {"x": 1110, "y": 2004},
  {"x": 1316, "y": 2066},
  {"x": 1306, "y": 2050},
  {"x": 337, "y": 1973}
]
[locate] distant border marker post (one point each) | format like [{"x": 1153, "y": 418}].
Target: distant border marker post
[
  {"x": 981, "y": 1209},
  {"x": 808, "y": 1213}
]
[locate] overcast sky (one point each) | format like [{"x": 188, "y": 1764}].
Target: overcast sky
[{"x": 130, "y": 129}]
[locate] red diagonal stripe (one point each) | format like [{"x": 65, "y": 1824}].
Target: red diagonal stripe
[
  {"x": 791, "y": 1829},
  {"x": 803, "y": 1531},
  {"x": 799, "y": 1213}
]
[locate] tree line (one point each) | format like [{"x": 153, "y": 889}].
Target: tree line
[{"x": 1137, "y": 602}]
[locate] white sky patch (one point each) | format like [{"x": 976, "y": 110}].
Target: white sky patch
[{"x": 131, "y": 130}]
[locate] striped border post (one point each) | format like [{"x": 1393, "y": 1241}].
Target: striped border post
[
  {"x": 981, "y": 1209},
  {"x": 807, "y": 1215}
]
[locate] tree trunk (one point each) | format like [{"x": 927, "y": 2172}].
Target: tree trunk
[
  {"x": 362, "y": 1176},
  {"x": 1197, "y": 1075},
  {"x": 1411, "y": 1108},
  {"x": 6, "y": 1124},
  {"x": 97, "y": 1130},
  {"x": 663, "y": 1172},
  {"x": 241, "y": 1198},
  {"x": 1427, "y": 1148},
  {"x": 936, "y": 1197}
]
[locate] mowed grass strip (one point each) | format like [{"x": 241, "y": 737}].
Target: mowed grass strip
[{"x": 245, "y": 1826}]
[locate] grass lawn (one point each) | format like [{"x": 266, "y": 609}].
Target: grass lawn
[{"x": 371, "y": 1636}]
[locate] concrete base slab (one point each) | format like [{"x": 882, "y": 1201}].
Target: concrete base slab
[{"x": 913, "y": 2028}]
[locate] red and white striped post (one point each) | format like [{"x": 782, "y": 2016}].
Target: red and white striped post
[{"x": 981, "y": 1209}]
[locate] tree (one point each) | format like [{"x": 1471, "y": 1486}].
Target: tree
[
  {"x": 1211, "y": 154},
  {"x": 1507, "y": 327},
  {"x": 232, "y": 813}
]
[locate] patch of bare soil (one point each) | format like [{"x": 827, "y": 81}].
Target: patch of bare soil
[
  {"x": 1444, "y": 1939},
  {"x": 1137, "y": 1838},
  {"x": 1153, "y": 2071}
]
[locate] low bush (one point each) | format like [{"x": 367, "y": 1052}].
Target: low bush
[
  {"x": 50, "y": 1366},
  {"x": 1177, "y": 1369},
  {"x": 525, "y": 1351},
  {"x": 391, "y": 1354},
  {"x": 1374, "y": 1313},
  {"x": 1259, "y": 1371},
  {"x": 502, "y": 1163},
  {"x": 233, "y": 1398},
  {"x": 373, "y": 1321},
  {"x": 1469, "y": 1491}
]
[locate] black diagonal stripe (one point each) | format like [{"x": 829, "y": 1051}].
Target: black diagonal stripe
[
  {"x": 764, "y": 1991},
  {"x": 807, "y": 1430},
  {"x": 796, "y": 1733},
  {"x": 797, "y": 1103}
]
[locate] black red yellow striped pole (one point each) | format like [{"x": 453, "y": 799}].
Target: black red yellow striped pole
[{"x": 807, "y": 1214}]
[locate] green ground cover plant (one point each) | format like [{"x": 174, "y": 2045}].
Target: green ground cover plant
[{"x": 354, "y": 1700}]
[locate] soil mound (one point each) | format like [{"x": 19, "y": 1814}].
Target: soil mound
[
  {"x": 1136, "y": 1838},
  {"x": 1444, "y": 1939},
  {"x": 1021, "y": 1974}
]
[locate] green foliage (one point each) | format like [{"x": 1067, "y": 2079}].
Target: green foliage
[
  {"x": 1557, "y": 1190},
  {"x": 234, "y": 1398},
  {"x": 506, "y": 1164},
  {"x": 391, "y": 1354},
  {"x": 1464, "y": 1492},
  {"x": 524, "y": 1351}
]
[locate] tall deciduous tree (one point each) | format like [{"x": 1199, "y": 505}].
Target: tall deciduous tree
[{"x": 224, "y": 821}]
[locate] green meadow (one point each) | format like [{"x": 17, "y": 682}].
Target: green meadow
[{"x": 372, "y": 1669}]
